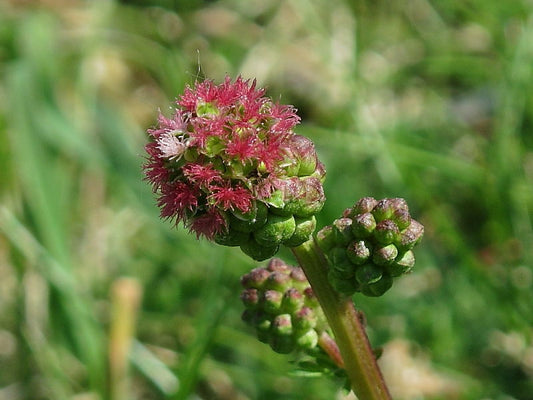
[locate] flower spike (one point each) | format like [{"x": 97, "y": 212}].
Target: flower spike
[
  {"x": 228, "y": 165},
  {"x": 370, "y": 245}
]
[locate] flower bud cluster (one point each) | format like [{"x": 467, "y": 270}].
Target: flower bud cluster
[
  {"x": 370, "y": 245},
  {"x": 282, "y": 308},
  {"x": 228, "y": 165}
]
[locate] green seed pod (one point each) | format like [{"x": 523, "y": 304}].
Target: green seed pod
[
  {"x": 340, "y": 262},
  {"x": 383, "y": 210},
  {"x": 276, "y": 230},
  {"x": 358, "y": 252},
  {"x": 251, "y": 221},
  {"x": 367, "y": 274},
  {"x": 342, "y": 285},
  {"x": 363, "y": 225},
  {"x": 232, "y": 238},
  {"x": 303, "y": 231},
  {"x": 385, "y": 255},
  {"x": 257, "y": 251},
  {"x": 378, "y": 288}
]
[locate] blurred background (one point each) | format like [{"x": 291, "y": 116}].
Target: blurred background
[{"x": 426, "y": 100}]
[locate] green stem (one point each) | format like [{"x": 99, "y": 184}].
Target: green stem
[{"x": 359, "y": 360}]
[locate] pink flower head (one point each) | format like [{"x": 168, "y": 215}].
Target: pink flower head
[{"x": 219, "y": 153}]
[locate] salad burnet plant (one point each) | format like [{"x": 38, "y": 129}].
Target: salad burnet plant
[{"x": 228, "y": 165}]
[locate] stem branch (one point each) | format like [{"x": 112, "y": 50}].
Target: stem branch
[{"x": 359, "y": 360}]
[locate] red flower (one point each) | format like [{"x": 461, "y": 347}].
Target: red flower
[
  {"x": 176, "y": 199},
  {"x": 202, "y": 175},
  {"x": 209, "y": 224},
  {"x": 229, "y": 198},
  {"x": 224, "y": 147}
]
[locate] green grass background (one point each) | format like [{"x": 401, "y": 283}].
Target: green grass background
[{"x": 426, "y": 100}]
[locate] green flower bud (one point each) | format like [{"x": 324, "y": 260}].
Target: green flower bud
[
  {"x": 282, "y": 325},
  {"x": 276, "y": 230},
  {"x": 411, "y": 236},
  {"x": 402, "y": 218},
  {"x": 257, "y": 251},
  {"x": 308, "y": 340},
  {"x": 376, "y": 248},
  {"x": 250, "y": 221},
  {"x": 250, "y": 298},
  {"x": 303, "y": 197},
  {"x": 341, "y": 284},
  {"x": 206, "y": 110},
  {"x": 383, "y": 210},
  {"x": 282, "y": 344},
  {"x": 403, "y": 264},
  {"x": 271, "y": 301},
  {"x": 320, "y": 172},
  {"x": 255, "y": 279},
  {"x": 279, "y": 281},
  {"x": 386, "y": 232},
  {"x": 358, "y": 252},
  {"x": 282, "y": 308},
  {"x": 364, "y": 205},
  {"x": 262, "y": 328},
  {"x": 342, "y": 231},
  {"x": 325, "y": 238},
  {"x": 304, "y": 319},
  {"x": 292, "y": 300},
  {"x": 232, "y": 238},
  {"x": 303, "y": 151},
  {"x": 340, "y": 262},
  {"x": 378, "y": 288},
  {"x": 278, "y": 265},
  {"x": 385, "y": 255},
  {"x": 363, "y": 225},
  {"x": 310, "y": 299},
  {"x": 367, "y": 274},
  {"x": 304, "y": 229}
]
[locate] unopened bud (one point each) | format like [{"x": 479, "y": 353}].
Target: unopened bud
[
  {"x": 358, "y": 252},
  {"x": 258, "y": 252},
  {"x": 411, "y": 236},
  {"x": 363, "y": 225},
  {"x": 386, "y": 232},
  {"x": 276, "y": 230},
  {"x": 342, "y": 231},
  {"x": 308, "y": 340},
  {"x": 385, "y": 255},
  {"x": 271, "y": 301},
  {"x": 303, "y": 231},
  {"x": 402, "y": 264}
]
